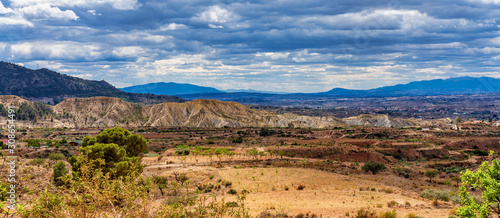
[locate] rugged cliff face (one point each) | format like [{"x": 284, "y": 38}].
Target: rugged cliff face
[{"x": 109, "y": 111}]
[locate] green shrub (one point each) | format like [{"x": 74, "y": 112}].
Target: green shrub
[
  {"x": 387, "y": 190},
  {"x": 238, "y": 140},
  {"x": 392, "y": 203},
  {"x": 37, "y": 161},
  {"x": 301, "y": 187},
  {"x": 365, "y": 213},
  {"x": 403, "y": 171},
  {"x": 59, "y": 171},
  {"x": 478, "y": 152},
  {"x": 232, "y": 192},
  {"x": 56, "y": 156},
  {"x": 373, "y": 167},
  {"x": 444, "y": 195},
  {"x": 452, "y": 169},
  {"x": 388, "y": 214},
  {"x": 266, "y": 132},
  {"x": 182, "y": 150}
]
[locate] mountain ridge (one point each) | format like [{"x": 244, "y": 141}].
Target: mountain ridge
[
  {"x": 109, "y": 111},
  {"x": 170, "y": 88},
  {"x": 52, "y": 87}
]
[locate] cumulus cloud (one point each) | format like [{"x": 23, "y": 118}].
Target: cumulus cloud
[
  {"x": 172, "y": 26},
  {"x": 46, "y": 11},
  {"x": 273, "y": 55},
  {"x": 129, "y": 52},
  {"x": 267, "y": 45},
  {"x": 47, "y": 50},
  {"x": 4, "y": 10},
  {"x": 216, "y": 14},
  {"x": 496, "y": 2},
  {"x": 117, "y": 4},
  {"x": 134, "y": 37},
  {"x": 15, "y": 21},
  {"x": 217, "y": 17}
]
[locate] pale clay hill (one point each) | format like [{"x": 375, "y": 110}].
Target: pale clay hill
[{"x": 109, "y": 111}]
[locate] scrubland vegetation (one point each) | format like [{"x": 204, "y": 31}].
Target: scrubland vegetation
[{"x": 254, "y": 172}]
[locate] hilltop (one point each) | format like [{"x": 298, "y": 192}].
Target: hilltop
[
  {"x": 170, "y": 88},
  {"x": 52, "y": 87}
]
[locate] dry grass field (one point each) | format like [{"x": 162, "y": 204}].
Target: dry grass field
[{"x": 297, "y": 172}]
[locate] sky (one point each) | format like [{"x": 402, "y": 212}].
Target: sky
[{"x": 281, "y": 45}]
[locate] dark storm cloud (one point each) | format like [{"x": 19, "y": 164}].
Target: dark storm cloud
[{"x": 293, "y": 45}]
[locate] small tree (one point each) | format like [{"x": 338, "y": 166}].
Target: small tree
[
  {"x": 230, "y": 154},
  {"x": 431, "y": 174},
  {"x": 281, "y": 153},
  {"x": 373, "y": 167},
  {"x": 487, "y": 180},
  {"x": 182, "y": 150},
  {"x": 162, "y": 182},
  {"x": 182, "y": 178},
  {"x": 59, "y": 171},
  {"x": 219, "y": 152},
  {"x": 253, "y": 152}
]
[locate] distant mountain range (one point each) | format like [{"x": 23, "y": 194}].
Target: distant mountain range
[
  {"x": 170, "y": 88},
  {"x": 253, "y": 91},
  {"x": 452, "y": 86},
  {"x": 52, "y": 87}
]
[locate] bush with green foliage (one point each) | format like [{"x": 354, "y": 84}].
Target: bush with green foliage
[
  {"x": 111, "y": 158},
  {"x": 238, "y": 140},
  {"x": 486, "y": 179},
  {"x": 431, "y": 174},
  {"x": 373, "y": 167},
  {"x": 451, "y": 169},
  {"x": 478, "y": 152},
  {"x": 444, "y": 195},
  {"x": 365, "y": 213},
  {"x": 59, "y": 171},
  {"x": 182, "y": 150},
  {"x": 116, "y": 151},
  {"x": 134, "y": 144},
  {"x": 403, "y": 171},
  {"x": 388, "y": 214},
  {"x": 35, "y": 143},
  {"x": 266, "y": 132},
  {"x": 56, "y": 156}
]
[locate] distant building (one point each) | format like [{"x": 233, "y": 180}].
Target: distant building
[
  {"x": 425, "y": 129},
  {"x": 75, "y": 143}
]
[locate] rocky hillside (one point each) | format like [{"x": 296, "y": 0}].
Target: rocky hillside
[
  {"x": 51, "y": 87},
  {"x": 109, "y": 111}
]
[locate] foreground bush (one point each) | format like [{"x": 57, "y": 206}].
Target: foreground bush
[
  {"x": 95, "y": 194},
  {"x": 487, "y": 180},
  {"x": 116, "y": 151}
]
